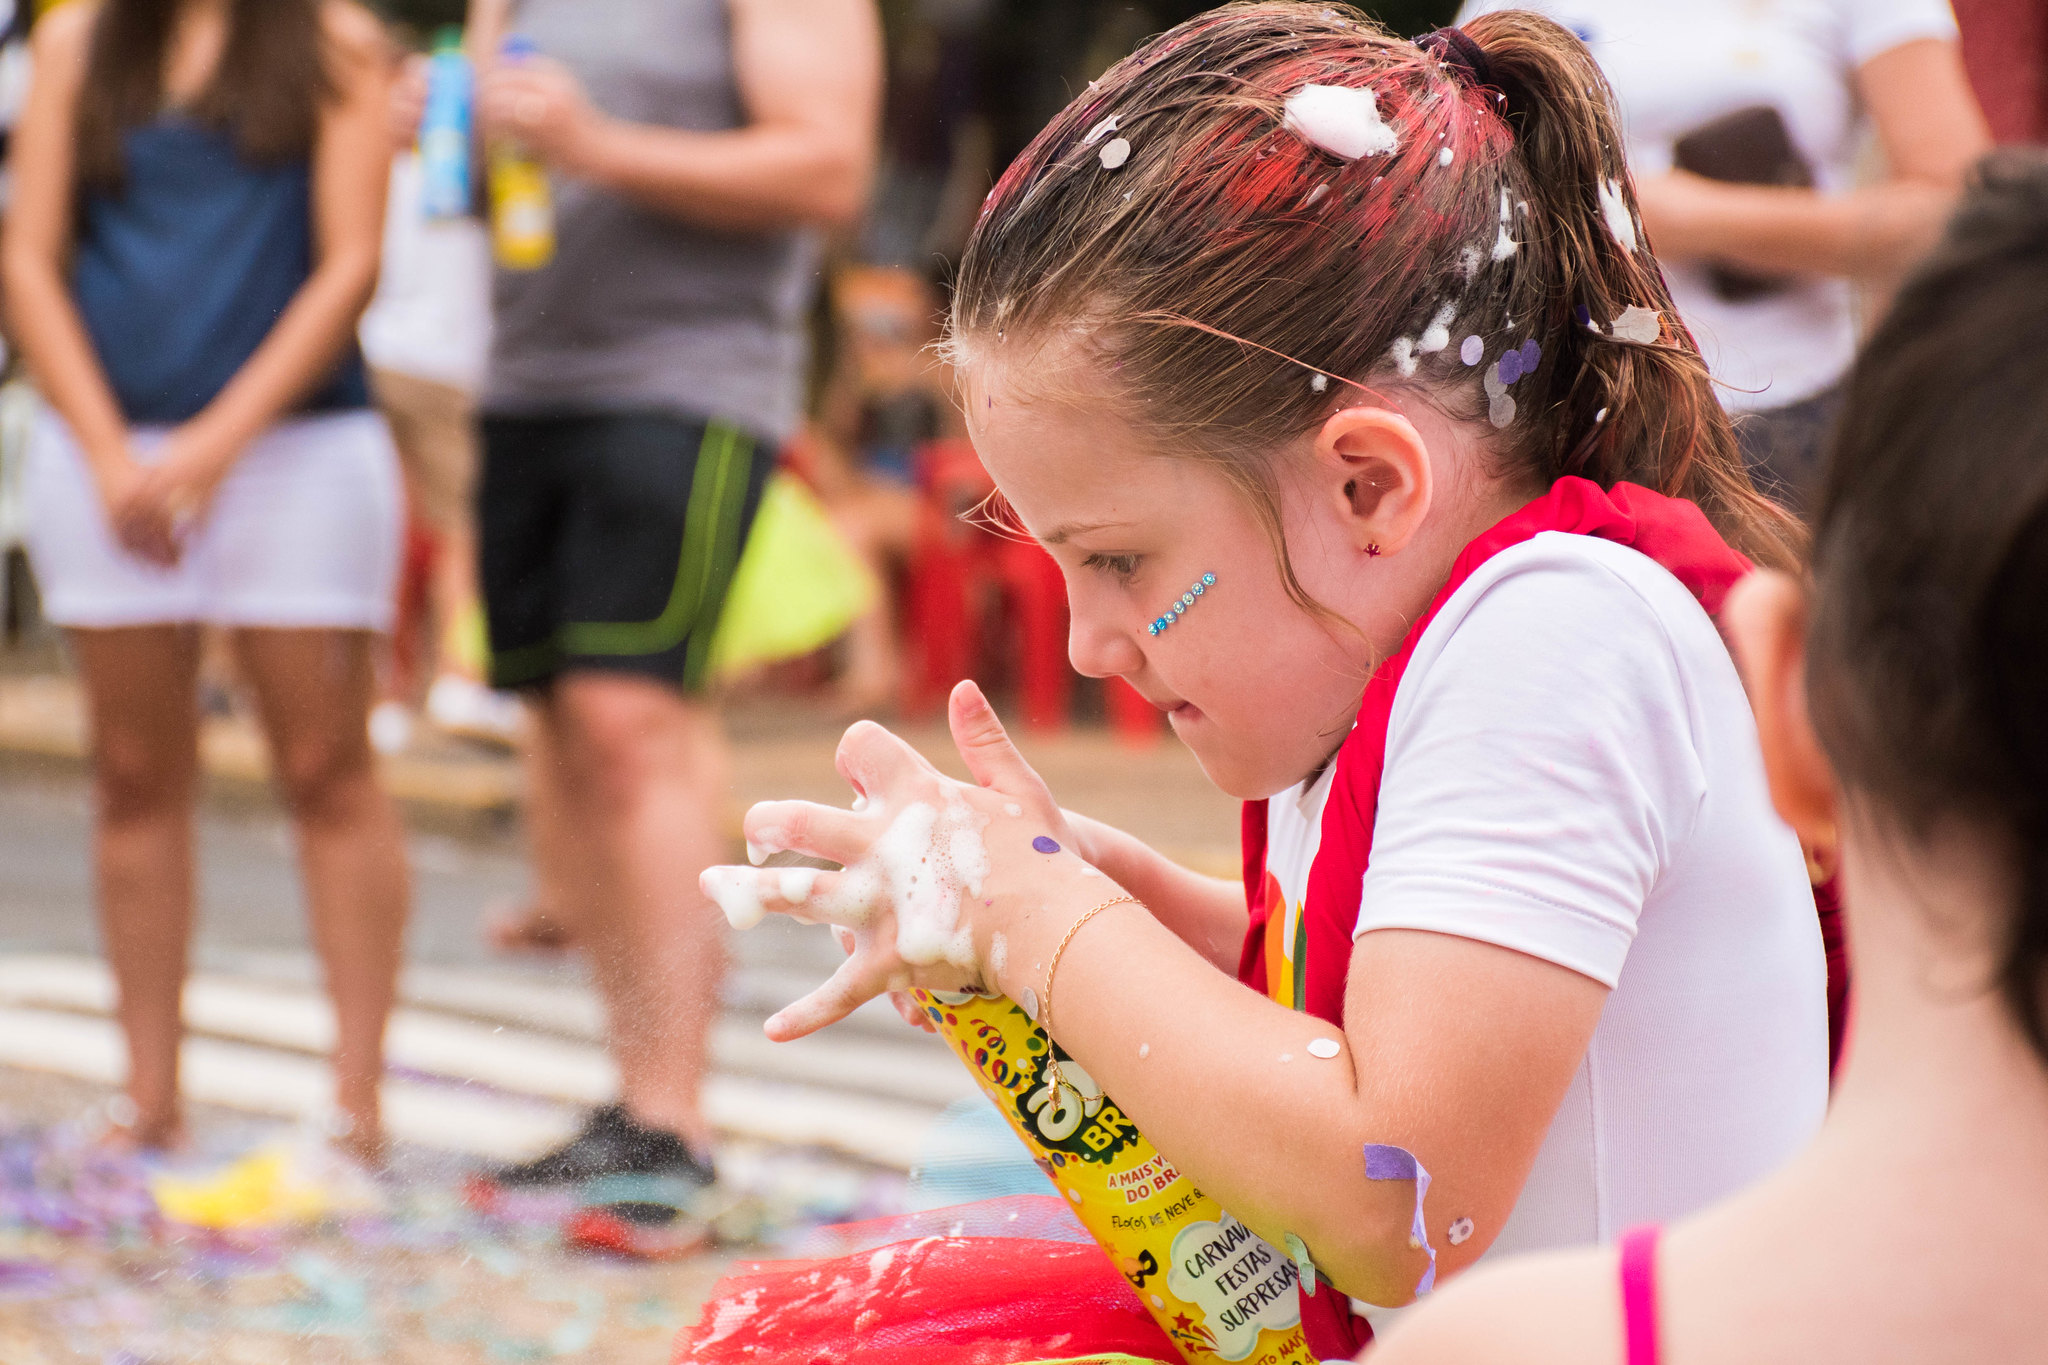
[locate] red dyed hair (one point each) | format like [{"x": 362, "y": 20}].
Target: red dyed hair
[{"x": 1229, "y": 260}]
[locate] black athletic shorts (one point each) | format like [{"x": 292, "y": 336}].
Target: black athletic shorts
[{"x": 609, "y": 541}]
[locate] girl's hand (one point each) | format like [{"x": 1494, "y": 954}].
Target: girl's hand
[
  {"x": 935, "y": 870},
  {"x": 169, "y": 498},
  {"x": 138, "y": 519}
]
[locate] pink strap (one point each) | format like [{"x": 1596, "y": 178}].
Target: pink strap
[{"x": 1639, "y": 1294}]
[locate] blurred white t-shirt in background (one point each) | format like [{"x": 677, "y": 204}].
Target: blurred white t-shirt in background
[
  {"x": 1678, "y": 64},
  {"x": 431, "y": 317}
]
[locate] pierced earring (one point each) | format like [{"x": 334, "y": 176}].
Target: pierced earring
[
  {"x": 1372, "y": 549},
  {"x": 1179, "y": 609}
]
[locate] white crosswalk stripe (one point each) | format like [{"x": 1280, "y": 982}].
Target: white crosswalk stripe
[{"x": 484, "y": 1063}]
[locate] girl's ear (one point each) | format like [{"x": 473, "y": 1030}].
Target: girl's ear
[
  {"x": 1374, "y": 471},
  {"x": 1765, "y": 621}
]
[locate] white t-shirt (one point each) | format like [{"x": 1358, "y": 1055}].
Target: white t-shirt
[
  {"x": 1572, "y": 772},
  {"x": 1678, "y": 64},
  {"x": 431, "y": 316}
]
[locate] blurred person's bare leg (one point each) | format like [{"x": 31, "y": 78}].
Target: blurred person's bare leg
[
  {"x": 545, "y": 921},
  {"x": 141, "y": 699},
  {"x": 645, "y": 770},
  {"x": 313, "y": 689},
  {"x": 879, "y": 521}
]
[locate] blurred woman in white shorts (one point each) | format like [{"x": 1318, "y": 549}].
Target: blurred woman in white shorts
[{"x": 197, "y": 206}]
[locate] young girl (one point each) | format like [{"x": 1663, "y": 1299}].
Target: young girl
[
  {"x": 1335, "y": 374},
  {"x": 1901, "y": 706},
  {"x": 198, "y": 196}
]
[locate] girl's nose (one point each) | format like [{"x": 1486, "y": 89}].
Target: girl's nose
[{"x": 1100, "y": 648}]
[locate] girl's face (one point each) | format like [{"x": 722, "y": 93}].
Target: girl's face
[{"x": 1262, "y": 690}]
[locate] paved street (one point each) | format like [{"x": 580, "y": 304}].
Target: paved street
[{"x": 491, "y": 1058}]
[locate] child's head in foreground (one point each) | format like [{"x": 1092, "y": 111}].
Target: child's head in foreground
[
  {"x": 1926, "y": 638},
  {"x": 1287, "y": 301}
]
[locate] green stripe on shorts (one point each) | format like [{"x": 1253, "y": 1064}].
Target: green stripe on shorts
[{"x": 713, "y": 529}]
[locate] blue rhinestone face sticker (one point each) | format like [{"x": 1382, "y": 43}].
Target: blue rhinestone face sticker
[{"x": 1180, "y": 608}]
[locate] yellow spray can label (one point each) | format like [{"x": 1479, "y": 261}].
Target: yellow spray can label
[{"x": 1218, "y": 1289}]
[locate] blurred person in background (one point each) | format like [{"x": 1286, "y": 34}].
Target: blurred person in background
[
  {"x": 198, "y": 196},
  {"x": 426, "y": 337},
  {"x": 1743, "y": 122},
  {"x": 639, "y": 384}
]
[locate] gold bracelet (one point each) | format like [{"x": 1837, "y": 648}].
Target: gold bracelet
[{"x": 1052, "y": 1066}]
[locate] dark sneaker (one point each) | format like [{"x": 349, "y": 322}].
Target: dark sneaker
[{"x": 611, "y": 1144}]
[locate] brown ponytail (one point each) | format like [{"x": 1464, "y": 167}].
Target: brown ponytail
[
  {"x": 1663, "y": 426},
  {"x": 1228, "y": 262}
]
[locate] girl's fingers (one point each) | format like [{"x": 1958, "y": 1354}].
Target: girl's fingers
[
  {"x": 747, "y": 894},
  {"x": 840, "y": 836},
  {"x": 859, "y": 979},
  {"x": 875, "y": 762},
  {"x": 906, "y": 1005},
  {"x": 986, "y": 747}
]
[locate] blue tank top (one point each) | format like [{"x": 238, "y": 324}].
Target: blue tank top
[{"x": 182, "y": 274}]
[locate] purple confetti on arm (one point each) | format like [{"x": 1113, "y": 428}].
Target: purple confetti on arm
[
  {"x": 1045, "y": 845},
  {"x": 1384, "y": 1161}
]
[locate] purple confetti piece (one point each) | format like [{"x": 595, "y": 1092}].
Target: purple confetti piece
[
  {"x": 1045, "y": 845},
  {"x": 1531, "y": 353},
  {"x": 1510, "y": 366},
  {"x": 1584, "y": 315},
  {"x": 1386, "y": 1162}
]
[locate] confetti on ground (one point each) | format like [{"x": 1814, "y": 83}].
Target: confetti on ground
[{"x": 92, "y": 1272}]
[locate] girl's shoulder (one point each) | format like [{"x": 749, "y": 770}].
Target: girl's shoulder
[
  {"x": 1551, "y": 1308},
  {"x": 353, "y": 32},
  {"x": 1557, "y": 587}
]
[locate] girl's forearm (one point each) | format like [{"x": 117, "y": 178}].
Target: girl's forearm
[
  {"x": 1871, "y": 233},
  {"x": 1206, "y": 913},
  {"x": 1195, "y": 1060},
  {"x": 60, "y": 353},
  {"x": 300, "y": 350}
]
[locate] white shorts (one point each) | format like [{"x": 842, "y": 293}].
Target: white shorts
[{"x": 303, "y": 532}]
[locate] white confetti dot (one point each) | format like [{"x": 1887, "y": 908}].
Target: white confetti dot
[
  {"x": 1320, "y": 383},
  {"x": 1013, "y": 809},
  {"x": 1074, "y": 1195},
  {"x": 1325, "y": 1048},
  {"x": 1030, "y": 1004},
  {"x": 1639, "y": 324},
  {"x": 1158, "y": 1302},
  {"x": 1095, "y": 134},
  {"x": 1501, "y": 410},
  {"x": 1472, "y": 350},
  {"x": 1144, "y": 1050},
  {"x": 1460, "y": 1231},
  {"x": 1444, "y": 157},
  {"x": 1115, "y": 153},
  {"x": 1286, "y": 1056}
]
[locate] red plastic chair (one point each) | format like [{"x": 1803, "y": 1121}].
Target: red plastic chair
[{"x": 966, "y": 581}]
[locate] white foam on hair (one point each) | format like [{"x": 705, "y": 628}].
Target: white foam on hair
[
  {"x": 1504, "y": 245},
  {"x": 1437, "y": 335},
  {"x": 1403, "y": 355},
  {"x": 1620, "y": 222},
  {"x": 1343, "y": 120}
]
